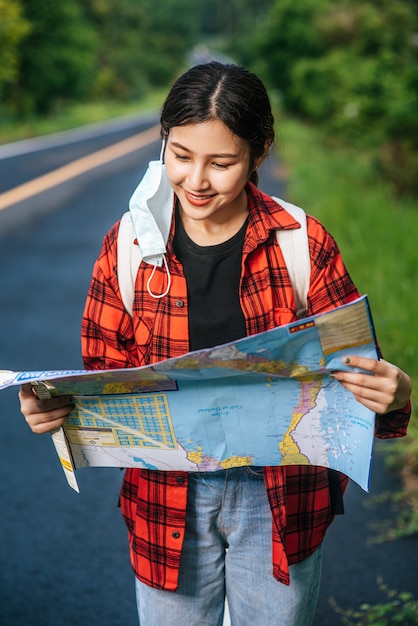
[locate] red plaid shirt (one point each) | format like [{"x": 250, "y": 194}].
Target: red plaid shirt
[{"x": 154, "y": 502}]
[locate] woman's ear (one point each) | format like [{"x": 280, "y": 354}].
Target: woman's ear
[{"x": 259, "y": 162}]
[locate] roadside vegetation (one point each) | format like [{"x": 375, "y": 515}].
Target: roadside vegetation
[
  {"x": 396, "y": 608},
  {"x": 373, "y": 227}
]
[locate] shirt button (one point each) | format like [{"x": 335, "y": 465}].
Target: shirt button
[
  {"x": 180, "y": 480},
  {"x": 180, "y": 304},
  {"x": 176, "y": 535}
]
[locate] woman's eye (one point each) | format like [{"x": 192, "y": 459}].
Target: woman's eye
[
  {"x": 181, "y": 157},
  {"x": 220, "y": 166}
]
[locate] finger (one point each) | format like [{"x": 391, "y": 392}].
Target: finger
[
  {"x": 374, "y": 366},
  {"x": 48, "y": 420},
  {"x": 40, "y": 428},
  {"x": 366, "y": 393},
  {"x": 30, "y": 401},
  {"x": 26, "y": 392},
  {"x": 383, "y": 376},
  {"x": 377, "y": 400},
  {"x": 370, "y": 365},
  {"x": 361, "y": 380},
  {"x": 43, "y": 415}
]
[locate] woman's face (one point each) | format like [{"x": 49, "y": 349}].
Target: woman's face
[{"x": 208, "y": 168}]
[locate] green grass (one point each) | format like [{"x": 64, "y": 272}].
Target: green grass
[
  {"x": 376, "y": 233},
  {"x": 66, "y": 117},
  {"x": 397, "y": 608}
]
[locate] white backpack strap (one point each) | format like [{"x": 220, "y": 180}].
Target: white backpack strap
[
  {"x": 129, "y": 260},
  {"x": 294, "y": 245}
]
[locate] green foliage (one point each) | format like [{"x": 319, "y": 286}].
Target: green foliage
[
  {"x": 287, "y": 37},
  {"x": 232, "y": 19},
  {"x": 403, "y": 505},
  {"x": 56, "y": 57},
  {"x": 399, "y": 608},
  {"x": 13, "y": 28},
  {"x": 352, "y": 62},
  {"x": 351, "y": 65},
  {"x": 141, "y": 44},
  {"x": 73, "y": 50},
  {"x": 369, "y": 62},
  {"x": 172, "y": 31},
  {"x": 55, "y": 53},
  {"x": 119, "y": 71}
]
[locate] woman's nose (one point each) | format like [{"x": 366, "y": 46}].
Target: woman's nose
[{"x": 197, "y": 178}]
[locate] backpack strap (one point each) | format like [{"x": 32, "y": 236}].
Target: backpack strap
[
  {"x": 293, "y": 243},
  {"x": 129, "y": 260}
]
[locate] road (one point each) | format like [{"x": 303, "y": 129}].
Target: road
[{"x": 64, "y": 556}]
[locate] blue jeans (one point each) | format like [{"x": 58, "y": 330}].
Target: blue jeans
[{"x": 227, "y": 552}]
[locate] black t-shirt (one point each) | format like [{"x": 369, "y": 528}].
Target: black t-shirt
[{"x": 213, "y": 277}]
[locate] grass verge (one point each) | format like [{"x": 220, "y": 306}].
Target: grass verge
[
  {"x": 66, "y": 117},
  {"x": 375, "y": 232}
]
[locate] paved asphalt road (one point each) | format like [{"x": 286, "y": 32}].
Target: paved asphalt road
[{"x": 64, "y": 557}]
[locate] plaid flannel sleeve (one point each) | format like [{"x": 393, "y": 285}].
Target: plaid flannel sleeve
[{"x": 107, "y": 337}]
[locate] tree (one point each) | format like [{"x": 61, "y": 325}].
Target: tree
[
  {"x": 351, "y": 65},
  {"x": 13, "y": 28},
  {"x": 141, "y": 44},
  {"x": 287, "y": 36},
  {"x": 56, "y": 57}
]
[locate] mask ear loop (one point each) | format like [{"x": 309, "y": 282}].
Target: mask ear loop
[
  {"x": 161, "y": 295},
  {"x": 163, "y": 145},
  {"x": 151, "y": 293}
]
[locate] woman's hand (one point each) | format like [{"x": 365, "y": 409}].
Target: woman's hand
[
  {"x": 45, "y": 415},
  {"x": 387, "y": 389}
]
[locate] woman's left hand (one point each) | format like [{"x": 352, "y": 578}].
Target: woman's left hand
[{"x": 387, "y": 389}]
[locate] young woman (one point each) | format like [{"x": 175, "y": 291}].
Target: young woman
[{"x": 253, "y": 534}]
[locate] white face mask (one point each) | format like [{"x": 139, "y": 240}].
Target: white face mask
[{"x": 151, "y": 208}]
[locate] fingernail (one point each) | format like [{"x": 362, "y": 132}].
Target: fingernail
[{"x": 347, "y": 360}]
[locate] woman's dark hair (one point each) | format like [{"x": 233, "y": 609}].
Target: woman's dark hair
[{"x": 228, "y": 93}]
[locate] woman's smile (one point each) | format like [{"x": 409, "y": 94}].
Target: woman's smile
[
  {"x": 198, "y": 199},
  {"x": 208, "y": 168}
]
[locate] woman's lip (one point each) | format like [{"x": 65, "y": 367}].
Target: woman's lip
[{"x": 198, "y": 200}]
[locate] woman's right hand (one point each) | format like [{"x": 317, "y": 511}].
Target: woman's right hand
[{"x": 44, "y": 415}]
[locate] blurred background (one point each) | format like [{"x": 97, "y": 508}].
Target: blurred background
[
  {"x": 347, "y": 64},
  {"x": 343, "y": 79}
]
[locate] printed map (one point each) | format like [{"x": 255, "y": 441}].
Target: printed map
[{"x": 263, "y": 400}]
